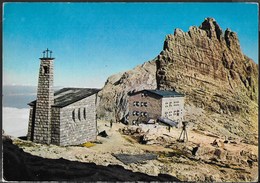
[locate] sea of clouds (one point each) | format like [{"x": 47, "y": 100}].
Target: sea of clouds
[
  {"x": 15, "y": 121},
  {"x": 15, "y": 109}
]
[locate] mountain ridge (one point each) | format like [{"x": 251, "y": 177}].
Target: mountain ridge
[{"x": 209, "y": 67}]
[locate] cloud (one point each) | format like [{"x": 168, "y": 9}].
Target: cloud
[
  {"x": 15, "y": 121},
  {"x": 22, "y": 94}
]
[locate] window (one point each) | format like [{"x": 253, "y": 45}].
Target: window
[
  {"x": 79, "y": 116},
  {"x": 84, "y": 113},
  {"x": 176, "y": 103},
  {"x": 141, "y": 113},
  {"x": 142, "y": 104},
  {"x": 136, "y": 113},
  {"x": 144, "y": 94},
  {"x": 170, "y": 104},
  {"x": 73, "y": 115},
  {"x": 166, "y": 104},
  {"x": 134, "y": 104},
  {"x": 137, "y": 103},
  {"x": 45, "y": 70},
  {"x": 145, "y": 114},
  {"x": 145, "y": 104}
]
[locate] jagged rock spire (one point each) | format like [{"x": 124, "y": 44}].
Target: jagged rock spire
[{"x": 212, "y": 28}]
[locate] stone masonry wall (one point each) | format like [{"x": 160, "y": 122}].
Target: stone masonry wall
[
  {"x": 30, "y": 125},
  {"x": 55, "y": 126},
  {"x": 78, "y": 122},
  {"x": 45, "y": 98},
  {"x": 153, "y": 106}
]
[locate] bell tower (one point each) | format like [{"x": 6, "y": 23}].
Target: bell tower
[{"x": 45, "y": 99}]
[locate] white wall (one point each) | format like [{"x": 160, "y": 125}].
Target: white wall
[{"x": 170, "y": 106}]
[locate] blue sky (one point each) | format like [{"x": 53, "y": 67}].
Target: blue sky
[{"x": 92, "y": 41}]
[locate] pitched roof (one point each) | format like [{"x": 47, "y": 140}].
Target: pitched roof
[
  {"x": 67, "y": 96},
  {"x": 165, "y": 93},
  {"x": 160, "y": 93}
]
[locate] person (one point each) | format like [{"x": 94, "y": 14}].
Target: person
[
  {"x": 111, "y": 123},
  {"x": 169, "y": 128}
]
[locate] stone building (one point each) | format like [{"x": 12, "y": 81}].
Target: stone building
[
  {"x": 66, "y": 117},
  {"x": 148, "y": 105}
]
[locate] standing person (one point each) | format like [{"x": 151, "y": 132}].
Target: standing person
[{"x": 111, "y": 123}]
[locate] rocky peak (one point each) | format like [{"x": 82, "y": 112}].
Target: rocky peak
[
  {"x": 232, "y": 41},
  {"x": 212, "y": 28},
  {"x": 210, "y": 69}
]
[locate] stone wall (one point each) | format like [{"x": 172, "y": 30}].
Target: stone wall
[
  {"x": 78, "y": 122},
  {"x": 29, "y": 134},
  {"x": 45, "y": 99},
  {"x": 153, "y": 107},
  {"x": 55, "y": 126}
]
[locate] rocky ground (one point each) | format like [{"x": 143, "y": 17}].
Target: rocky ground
[
  {"x": 205, "y": 157},
  {"x": 21, "y": 166}
]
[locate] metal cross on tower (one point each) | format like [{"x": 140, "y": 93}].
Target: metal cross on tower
[
  {"x": 43, "y": 54},
  {"x": 46, "y": 53}
]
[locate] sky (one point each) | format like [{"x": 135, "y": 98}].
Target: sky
[{"x": 92, "y": 41}]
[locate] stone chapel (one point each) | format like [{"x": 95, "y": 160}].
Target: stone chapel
[{"x": 65, "y": 117}]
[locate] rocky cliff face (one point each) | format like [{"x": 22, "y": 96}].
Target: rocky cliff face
[
  {"x": 208, "y": 66},
  {"x": 207, "y": 60}
]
